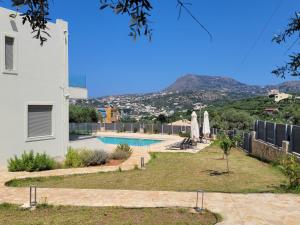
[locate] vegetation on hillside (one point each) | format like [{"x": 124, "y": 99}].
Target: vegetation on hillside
[{"x": 242, "y": 113}]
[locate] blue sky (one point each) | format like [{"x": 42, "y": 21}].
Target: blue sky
[{"x": 101, "y": 49}]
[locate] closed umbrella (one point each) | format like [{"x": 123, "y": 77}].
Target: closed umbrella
[
  {"x": 194, "y": 127},
  {"x": 206, "y": 127}
]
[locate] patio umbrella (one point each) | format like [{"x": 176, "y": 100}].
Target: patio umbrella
[
  {"x": 206, "y": 127},
  {"x": 194, "y": 127}
]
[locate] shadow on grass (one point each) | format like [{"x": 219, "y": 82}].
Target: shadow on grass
[{"x": 217, "y": 173}]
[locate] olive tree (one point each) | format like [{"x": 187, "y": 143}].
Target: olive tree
[{"x": 36, "y": 13}]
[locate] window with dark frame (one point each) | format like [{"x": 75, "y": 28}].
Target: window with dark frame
[
  {"x": 39, "y": 120},
  {"x": 9, "y": 53}
]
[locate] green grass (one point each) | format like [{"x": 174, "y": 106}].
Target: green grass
[
  {"x": 67, "y": 215},
  {"x": 179, "y": 172}
]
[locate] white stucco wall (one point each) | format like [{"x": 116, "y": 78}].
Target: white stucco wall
[
  {"x": 41, "y": 78},
  {"x": 78, "y": 93}
]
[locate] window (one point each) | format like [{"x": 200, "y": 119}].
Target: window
[
  {"x": 9, "y": 53},
  {"x": 39, "y": 120}
]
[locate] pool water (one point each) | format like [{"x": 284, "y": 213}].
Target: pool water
[{"x": 129, "y": 141}]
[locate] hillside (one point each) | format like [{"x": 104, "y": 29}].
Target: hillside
[
  {"x": 191, "y": 82},
  {"x": 228, "y": 115},
  {"x": 289, "y": 86}
]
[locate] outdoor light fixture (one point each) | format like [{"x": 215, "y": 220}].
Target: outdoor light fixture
[
  {"x": 197, "y": 208},
  {"x": 142, "y": 162},
  {"x": 32, "y": 196}
]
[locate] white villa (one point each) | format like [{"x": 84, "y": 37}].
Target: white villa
[{"x": 33, "y": 89}]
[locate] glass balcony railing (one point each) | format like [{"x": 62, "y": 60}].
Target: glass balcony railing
[{"x": 77, "y": 81}]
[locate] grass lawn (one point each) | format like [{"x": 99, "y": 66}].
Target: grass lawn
[
  {"x": 67, "y": 215},
  {"x": 179, "y": 172}
]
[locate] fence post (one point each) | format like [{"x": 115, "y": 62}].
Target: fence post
[
  {"x": 172, "y": 128},
  {"x": 291, "y": 145},
  {"x": 244, "y": 140},
  {"x": 275, "y": 127},
  {"x": 257, "y": 129},
  {"x": 162, "y": 128},
  {"x": 131, "y": 128},
  {"x": 286, "y": 132},
  {"x": 265, "y": 131}
]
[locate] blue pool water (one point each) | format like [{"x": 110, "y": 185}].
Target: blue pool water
[{"x": 129, "y": 141}]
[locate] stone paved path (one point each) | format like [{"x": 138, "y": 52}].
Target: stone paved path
[{"x": 244, "y": 209}]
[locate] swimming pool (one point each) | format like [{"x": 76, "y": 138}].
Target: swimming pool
[{"x": 129, "y": 141}]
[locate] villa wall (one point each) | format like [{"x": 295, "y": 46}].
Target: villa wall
[
  {"x": 266, "y": 151},
  {"x": 40, "y": 77}
]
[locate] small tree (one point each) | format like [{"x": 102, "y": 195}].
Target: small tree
[
  {"x": 226, "y": 145},
  {"x": 162, "y": 118}
]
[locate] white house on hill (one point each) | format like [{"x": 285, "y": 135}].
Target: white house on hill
[{"x": 33, "y": 89}]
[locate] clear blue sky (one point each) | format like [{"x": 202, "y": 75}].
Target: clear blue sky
[{"x": 101, "y": 49}]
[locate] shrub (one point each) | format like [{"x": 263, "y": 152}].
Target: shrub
[
  {"x": 185, "y": 135},
  {"x": 96, "y": 158},
  {"x": 43, "y": 162},
  {"x": 31, "y": 162},
  {"x": 123, "y": 151},
  {"x": 73, "y": 158},
  {"x": 84, "y": 157},
  {"x": 291, "y": 168}
]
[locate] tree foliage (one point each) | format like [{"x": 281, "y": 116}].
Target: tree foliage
[
  {"x": 37, "y": 15},
  {"x": 161, "y": 118},
  {"x": 139, "y": 11},
  {"x": 79, "y": 114},
  {"x": 292, "y": 30}
]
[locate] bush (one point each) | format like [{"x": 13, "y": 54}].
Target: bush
[
  {"x": 123, "y": 151},
  {"x": 84, "y": 157},
  {"x": 184, "y": 135},
  {"x": 31, "y": 162},
  {"x": 96, "y": 158},
  {"x": 73, "y": 158},
  {"x": 291, "y": 168}
]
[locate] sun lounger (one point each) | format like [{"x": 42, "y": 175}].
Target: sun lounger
[{"x": 178, "y": 145}]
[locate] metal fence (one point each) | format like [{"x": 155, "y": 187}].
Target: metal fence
[
  {"x": 276, "y": 133},
  {"x": 266, "y": 131},
  {"x": 155, "y": 128}
]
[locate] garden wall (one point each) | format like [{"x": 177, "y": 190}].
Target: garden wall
[{"x": 267, "y": 151}]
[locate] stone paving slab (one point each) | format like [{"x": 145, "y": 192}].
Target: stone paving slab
[{"x": 235, "y": 208}]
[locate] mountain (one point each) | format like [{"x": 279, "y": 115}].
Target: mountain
[
  {"x": 191, "y": 82},
  {"x": 289, "y": 86}
]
